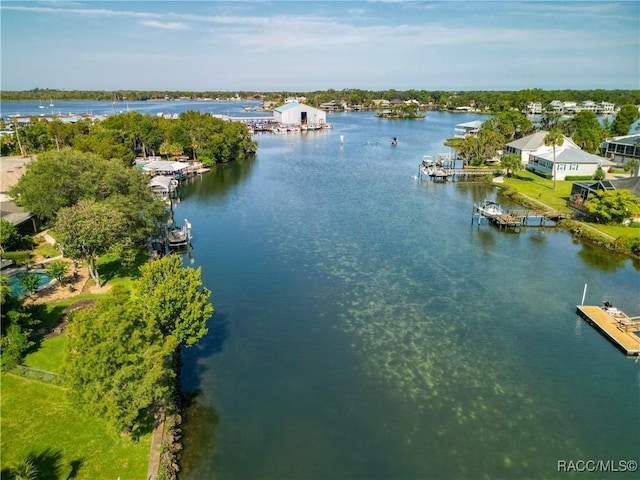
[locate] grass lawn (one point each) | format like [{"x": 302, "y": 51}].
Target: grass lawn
[
  {"x": 38, "y": 420},
  {"x": 541, "y": 189},
  {"x": 48, "y": 356}
]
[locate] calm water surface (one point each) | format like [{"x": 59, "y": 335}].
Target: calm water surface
[{"x": 365, "y": 329}]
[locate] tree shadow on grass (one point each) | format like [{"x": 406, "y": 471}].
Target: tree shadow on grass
[
  {"x": 112, "y": 266},
  {"x": 49, "y": 318},
  {"x": 46, "y": 465}
]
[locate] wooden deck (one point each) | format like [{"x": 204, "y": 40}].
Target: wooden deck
[{"x": 616, "y": 327}]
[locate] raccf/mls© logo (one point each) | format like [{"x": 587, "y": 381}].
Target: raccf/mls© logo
[{"x": 597, "y": 465}]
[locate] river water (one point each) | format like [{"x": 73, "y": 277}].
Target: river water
[{"x": 365, "y": 329}]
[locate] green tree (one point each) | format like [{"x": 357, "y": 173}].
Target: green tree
[
  {"x": 15, "y": 343},
  {"x": 627, "y": 115},
  {"x": 585, "y": 130},
  {"x": 511, "y": 163},
  {"x": 632, "y": 166},
  {"x": 613, "y": 206},
  {"x": 60, "y": 179},
  {"x": 5, "y": 289},
  {"x": 56, "y": 180},
  {"x": 26, "y": 470},
  {"x": 115, "y": 363},
  {"x": 57, "y": 270},
  {"x": 10, "y": 239},
  {"x": 173, "y": 298},
  {"x": 29, "y": 282},
  {"x": 91, "y": 229},
  {"x": 510, "y": 125},
  {"x": 599, "y": 175},
  {"x": 553, "y": 138}
]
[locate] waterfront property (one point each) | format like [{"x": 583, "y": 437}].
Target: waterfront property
[
  {"x": 295, "y": 113},
  {"x": 622, "y": 149},
  {"x": 581, "y": 191},
  {"x": 532, "y": 145},
  {"x": 462, "y": 130},
  {"x": 569, "y": 162}
]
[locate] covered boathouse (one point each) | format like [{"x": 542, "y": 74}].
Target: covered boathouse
[{"x": 295, "y": 113}]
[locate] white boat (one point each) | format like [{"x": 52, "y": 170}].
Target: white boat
[
  {"x": 489, "y": 209},
  {"x": 179, "y": 237}
]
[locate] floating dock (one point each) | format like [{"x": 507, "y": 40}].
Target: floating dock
[{"x": 615, "y": 325}]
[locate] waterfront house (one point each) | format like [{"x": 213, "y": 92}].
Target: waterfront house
[
  {"x": 531, "y": 145},
  {"x": 622, "y": 149},
  {"x": 295, "y": 113},
  {"x": 462, "y": 130},
  {"x": 570, "y": 162},
  {"x": 581, "y": 191},
  {"x": 177, "y": 170}
]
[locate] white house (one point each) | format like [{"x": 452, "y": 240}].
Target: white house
[
  {"x": 468, "y": 128},
  {"x": 532, "y": 144},
  {"x": 163, "y": 167},
  {"x": 295, "y": 113},
  {"x": 570, "y": 161}
]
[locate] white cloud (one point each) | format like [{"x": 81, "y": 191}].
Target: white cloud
[{"x": 165, "y": 25}]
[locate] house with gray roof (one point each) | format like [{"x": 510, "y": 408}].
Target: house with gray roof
[
  {"x": 621, "y": 149},
  {"x": 531, "y": 145},
  {"x": 570, "y": 161}
]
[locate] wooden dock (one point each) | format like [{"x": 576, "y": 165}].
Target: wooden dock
[{"x": 617, "y": 327}]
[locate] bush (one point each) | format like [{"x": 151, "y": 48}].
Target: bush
[
  {"x": 10, "y": 239},
  {"x": 548, "y": 176},
  {"x": 577, "y": 178},
  {"x": 21, "y": 257},
  {"x": 15, "y": 344},
  {"x": 628, "y": 244}
]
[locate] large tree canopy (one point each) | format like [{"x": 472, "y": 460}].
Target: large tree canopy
[
  {"x": 627, "y": 115},
  {"x": 172, "y": 297},
  {"x": 118, "y": 353},
  {"x": 613, "y": 206},
  {"x": 91, "y": 229},
  {"x": 58, "y": 179},
  {"x": 115, "y": 364}
]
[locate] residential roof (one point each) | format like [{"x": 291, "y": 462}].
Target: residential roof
[
  {"x": 287, "y": 106},
  {"x": 165, "y": 166},
  {"x": 530, "y": 142},
  {"x": 568, "y": 154},
  {"x": 472, "y": 124},
  {"x": 632, "y": 184},
  {"x": 625, "y": 140}
]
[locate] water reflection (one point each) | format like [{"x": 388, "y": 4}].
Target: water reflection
[
  {"x": 222, "y": 179},
  {"x": 602, "y": 259}
]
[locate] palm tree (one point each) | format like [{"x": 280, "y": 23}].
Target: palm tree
[{"x": 553, "y": 138}]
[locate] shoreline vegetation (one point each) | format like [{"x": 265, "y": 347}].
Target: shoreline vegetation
[{"x": 164, "y": 459}]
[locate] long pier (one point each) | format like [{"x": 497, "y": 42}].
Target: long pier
[{"x": 614, "y": 325}]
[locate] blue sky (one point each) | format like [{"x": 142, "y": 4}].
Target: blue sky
[{"x": 317, "y": 45}]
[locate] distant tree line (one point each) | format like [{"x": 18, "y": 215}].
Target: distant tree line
[
  {"x": 485, "y": 101},
  {"x": 126, "y": 136}
]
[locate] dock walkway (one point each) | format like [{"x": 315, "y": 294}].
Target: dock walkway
[{"x": 615, "y": 326}]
